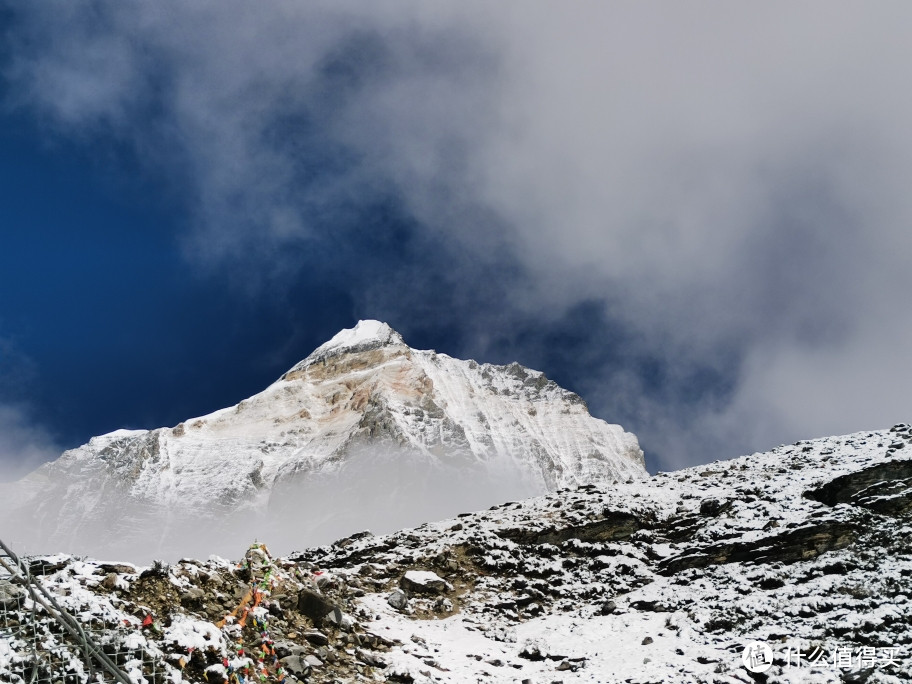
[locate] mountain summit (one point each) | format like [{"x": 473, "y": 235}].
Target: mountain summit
[
  {"x": 365, "y": 432},
  {"x": 365, "y": 335}
]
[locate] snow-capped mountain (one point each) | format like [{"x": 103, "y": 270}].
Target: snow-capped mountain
[
  {"x": 803, "y": 552},
  {"x": 363, "y": 433}
]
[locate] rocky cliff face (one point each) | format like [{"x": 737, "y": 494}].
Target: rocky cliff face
[
  {"x": 805, "y": 550},
  {"x": 365, "y": 432}
]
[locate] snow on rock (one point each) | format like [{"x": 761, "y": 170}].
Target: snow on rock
[
  {"x": 188, "y": 634},
  {"x": 424, "y": 582}
]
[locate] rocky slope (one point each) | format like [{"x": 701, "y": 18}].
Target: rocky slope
[
  {"x": 409, "y": 435},
  {"x": 807, "y": 549}
]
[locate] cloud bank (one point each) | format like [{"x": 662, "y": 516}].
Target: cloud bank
[
  {"x": 24, "y": 444},
  {"x": 378, "y": 489},
  {"x": 705, "y": 204}
]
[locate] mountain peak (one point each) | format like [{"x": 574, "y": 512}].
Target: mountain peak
[
  {"x": 365, "y": 336},
  {"x": 368, "y": 333},
  {"x": 408, "y": 434}
]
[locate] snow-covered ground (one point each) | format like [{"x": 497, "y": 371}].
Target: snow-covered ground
[{"x": 806, "y": 549}]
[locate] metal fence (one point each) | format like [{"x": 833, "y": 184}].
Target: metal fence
[{"x": 41, "y": 642}]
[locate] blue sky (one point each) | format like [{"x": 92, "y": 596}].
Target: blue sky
[{"x": 696, "y": 217}]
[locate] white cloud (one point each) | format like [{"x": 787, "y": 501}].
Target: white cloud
[
  {"x": 729, "y": 179},
  {"x": 24, "y": 445}
]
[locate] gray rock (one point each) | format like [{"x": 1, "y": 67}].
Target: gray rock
[
  {"x": 192, "y": 595},
  {"x": 47, "y": 565},
  {"x": 11, "y": 595},
  {"x": 533, "y": 649},
  {"x": 370, "y": 658},
  {"x": 285, "y": 648},
  {"x": 649, "y": 606},
  {"x": 710, "y": 508},
  {"x": 347, "y": 541},
  {"x": 423, "y": 582},
  {"x": 324, "y": 581},
  {"x": 119, "y": 568},
  {"x": 315, "y": 605},
  {"x": 317, "y": 638},
  {"x": 297, "y": 665},
  {"x": 883, "y": 488},
  {"x": 789, "y": 546},
  {"x": 398, "y": 599},
  {"x": 340, "y": 619},
  {"x": 334, "y": 616}
]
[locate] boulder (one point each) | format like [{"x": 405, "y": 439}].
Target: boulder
[
  {"x": 710, "y": 508},
  {"x": 424, "y": 582},
  {"x": 317, "y": 638},
  {"x": 315, "y": 605},
  {"x": 608, "y": 607},
  {"x": 339, "y": 619},
  {"x": 285, "y": 648},
  {"x": 370, "y": 658},
  {"x": 192, "y": 596},
  {"x": 119, "y": 568},
  {"x": 11, "y": 595},
  {"x": 533, "y": 649},
  {"x": 296, "y": 665},
  {"x": 398, "y": 599}
]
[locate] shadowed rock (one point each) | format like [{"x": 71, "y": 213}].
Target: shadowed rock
[
  {"x": 314, "y": 605},
  {"x": 613, "y": 526},
  {"x": 791, "y": 546},
  {"x": 884, "y": 488}
]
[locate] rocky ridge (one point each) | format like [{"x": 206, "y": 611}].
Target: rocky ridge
[{"x": 805, "y": 548}]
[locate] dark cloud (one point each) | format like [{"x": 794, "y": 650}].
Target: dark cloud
[{"x": 694, "y": 215}]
